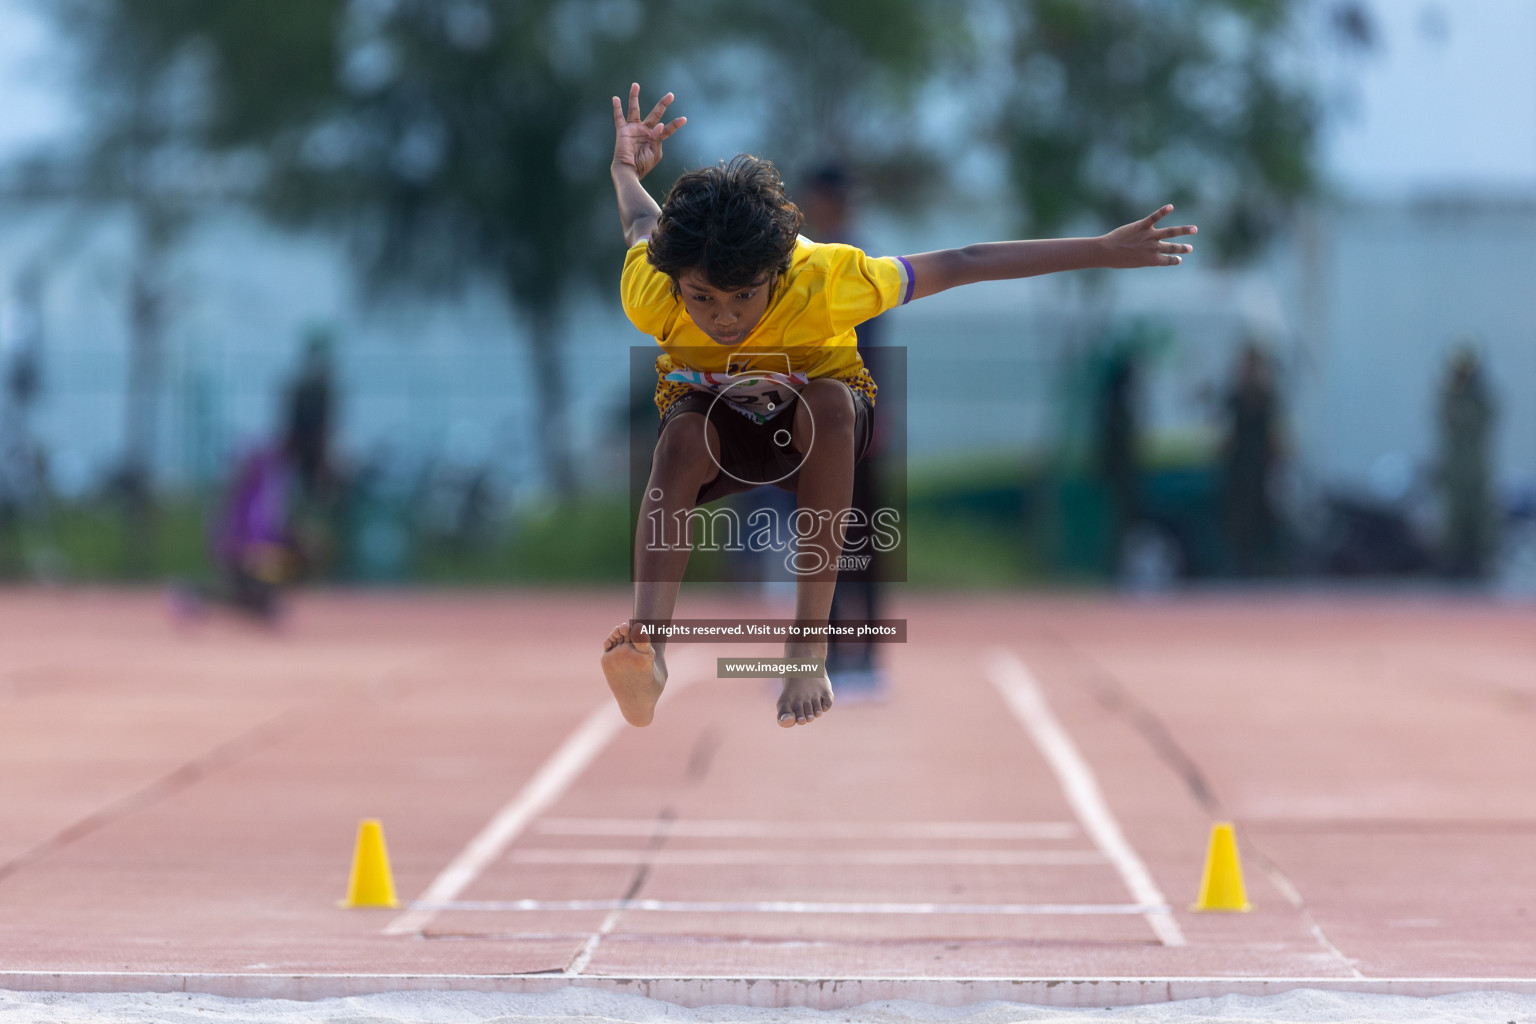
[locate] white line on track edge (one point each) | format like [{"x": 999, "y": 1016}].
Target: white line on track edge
[
  {"x": 589, "y": 948},
  {"x": 11, "y": 980},
  {"x": 778, "y": 857},
  {"x": 725, "y": 828},
  {"x": 1022, "y": 694},
  {"x": 794, "y": 907},
  {"x": 546, "y": 786}
]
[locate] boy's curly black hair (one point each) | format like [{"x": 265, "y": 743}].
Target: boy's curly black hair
[{"x": 732, "y": 221}]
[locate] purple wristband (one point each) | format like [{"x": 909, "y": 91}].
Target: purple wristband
[{"x": 911, "y": 280}]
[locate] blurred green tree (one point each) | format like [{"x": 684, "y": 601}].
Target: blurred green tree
[
  {"x": 1099, "y": 109},
  {"x": 144, "y": 113},
  {"x": 1107, "y": 108},
  {"x": 456, "y": 141},
  {"x": 451, "y": 142},
  {"x": 833, "y": 83}
]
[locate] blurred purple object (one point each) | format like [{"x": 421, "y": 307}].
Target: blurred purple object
[{"x": 255, "y": 511}]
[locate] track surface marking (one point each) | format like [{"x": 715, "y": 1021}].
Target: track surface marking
[
  {"x": 177, "y": 808},
  {"x": 1028, "y": 705}
]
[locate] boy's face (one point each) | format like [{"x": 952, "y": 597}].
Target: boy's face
[{"x": 726, "y": 316}]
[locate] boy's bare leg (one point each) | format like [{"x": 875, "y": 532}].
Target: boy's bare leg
[
  {"x": 824, "y": 433},
  {"x": 634, "y": 664}
]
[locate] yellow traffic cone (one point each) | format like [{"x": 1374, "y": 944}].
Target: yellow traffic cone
[
  {"x": 371, "y": 885},
  {"x": 1222, "y": 886}
]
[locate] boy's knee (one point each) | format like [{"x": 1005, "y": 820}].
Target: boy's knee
[
  {"x": 830, "y": 404},
  {"x": 684, "y": 445}
]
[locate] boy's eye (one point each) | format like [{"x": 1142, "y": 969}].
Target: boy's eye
[
  {"x": 745, "y": 295},
  {"x": 701, "y": 298}
]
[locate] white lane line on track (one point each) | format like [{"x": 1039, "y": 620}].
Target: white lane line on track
[
  {"x": 195, "y": 981},
  {"x": 1001, "y": 858},
  {"x": 732, "y": 829},
  {"x": 546, "y": 786},
  {"x": 1293, "y": 896},
  {"x": 1022, "y": 694},
  {"x": 589, "y": 948},
  {"x": 542, "y": 790},
  {"x": 794, "y": 907}
]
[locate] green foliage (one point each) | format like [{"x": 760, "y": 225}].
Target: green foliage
[
  {"x": 466, "y": 138},
  {"x": 448, "y": 141},
  {"x": 585, "y": 542},
  {"x": 91, "y": 541},
  {"x": 838, "y": 81},
  {"x": 466, "y": 141},
  {"x": 1114, "y": 107}
]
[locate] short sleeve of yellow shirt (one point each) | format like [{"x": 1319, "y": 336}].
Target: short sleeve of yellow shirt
[{"x": 808, "y": 326}]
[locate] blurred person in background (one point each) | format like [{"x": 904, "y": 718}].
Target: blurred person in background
[
  {"x": 252, "y": 547},
  {"x": 311, "y": 402},
  {"x": 1466, "y": 425},
  {"x": 249, "y": 543},
  {"x": 22, "y": 462},
  {"x": 1250, "y": 452},
  {"x": 274, "y": 522},
  {"x": 310, "y": 417},
  {"x": 21, "y": 347},
  {"x": 827, "y": 203},
  {"x": 1117, "y": 437}
]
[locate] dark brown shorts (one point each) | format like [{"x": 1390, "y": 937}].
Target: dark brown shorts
[{"x": 753, "y": 454}]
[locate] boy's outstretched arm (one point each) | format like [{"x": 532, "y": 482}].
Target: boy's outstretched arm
[
  {"x": 1138, "y": 244},
  {"x": 637, "y": 149}
]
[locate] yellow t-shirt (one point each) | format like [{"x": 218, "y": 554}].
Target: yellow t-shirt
[{"x": 829, "y": 290}]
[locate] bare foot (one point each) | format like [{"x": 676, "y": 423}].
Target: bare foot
[
  {"x": 636, "y": 673},
  {"x": 804, "y": 699}
]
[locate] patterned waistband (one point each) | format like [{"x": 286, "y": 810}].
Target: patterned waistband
[{"x": 669, "y": 391}]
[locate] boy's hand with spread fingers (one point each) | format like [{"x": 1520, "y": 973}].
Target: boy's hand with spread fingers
[
  {"x": 637, "y": 149},
  {"x": 637, "y": 144},
  {"x": 1143, "y": 244}
]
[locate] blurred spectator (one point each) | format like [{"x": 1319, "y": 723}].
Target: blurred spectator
[
  {"x": 275, "y": 521},
  {"x": 23, "y": 466},
  {"x": 252, "y": 548},
  {"x": 377, "y": 516},
  {"x": 1116, "y": 448},
  {"x": 1250, "y": 452},
  {"x": 311, "y": 414},
  {"x": 826, "y": 200},
  {"x": 827, "y": 203},
  {"x": 21, "y": 343},
  {"x": 1466, "y": 421}
]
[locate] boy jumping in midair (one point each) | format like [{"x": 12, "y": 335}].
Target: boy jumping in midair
[{"x": 720, "y": 276}]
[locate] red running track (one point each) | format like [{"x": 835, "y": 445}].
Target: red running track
[{"x": 1025, "y": 818}]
